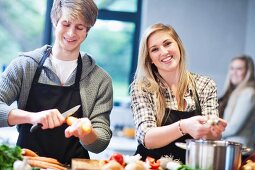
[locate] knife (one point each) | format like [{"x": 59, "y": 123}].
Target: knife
[{"x": 66, "y": 114}]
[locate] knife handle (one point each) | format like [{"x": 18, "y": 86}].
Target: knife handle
[{"x": 35, "y": 127}]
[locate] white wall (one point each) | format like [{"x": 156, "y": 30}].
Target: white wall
[
  {"x": 212, "y": 31},
  {"x": 250, "y": 32}
]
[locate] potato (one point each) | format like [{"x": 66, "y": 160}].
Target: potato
[{"x": 112, "y": 165}]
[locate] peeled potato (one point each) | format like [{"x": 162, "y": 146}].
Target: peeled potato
[{"x": 112, "y": 165}]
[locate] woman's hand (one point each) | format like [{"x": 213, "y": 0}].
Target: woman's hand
[
  {"x": 49, "y": 118},
  {"x": 195, "y": 126},
  {"x": 199, "y": 128},
  {"x": 217, "y": 129}
]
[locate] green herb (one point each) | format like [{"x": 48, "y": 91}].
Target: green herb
[
  {"x": 8, "y": 155},
  {"x": 185, "y": 167}
]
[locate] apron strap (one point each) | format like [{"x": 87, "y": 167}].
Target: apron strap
[
  {"x": 78, "y": 73},
  {"x": 40, "y": 65}
]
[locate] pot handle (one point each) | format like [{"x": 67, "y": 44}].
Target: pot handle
[
  {"x": 246, "y": 150},
  {"x": 181, "y": 145}
]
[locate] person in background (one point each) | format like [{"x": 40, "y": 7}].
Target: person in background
[
  {"x": 237, "y": 105},
  {"x": 52, "y": 79},
  {"x": 169, "y": 103}
]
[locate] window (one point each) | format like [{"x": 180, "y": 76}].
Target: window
[
  {"x": 117, "y": 33},
  {"x": 112, "y": 42},
  {"x": 21, "y": 27}
]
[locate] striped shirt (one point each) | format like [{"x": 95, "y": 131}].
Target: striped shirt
[{"x": 143, "y": 103}]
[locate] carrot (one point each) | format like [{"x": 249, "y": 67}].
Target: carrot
[
  {"x": 86, "y": 128},
  {"x": 70, "y": 120},
  {"x": 45, "y": 165},
  {"x": 28, "y": 152},
  {"x": 44, "y": 159}
]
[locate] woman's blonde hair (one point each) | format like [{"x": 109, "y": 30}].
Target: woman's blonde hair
[
  {"x": 86, "y": 9},
  {"x": 147, "y": 76}
]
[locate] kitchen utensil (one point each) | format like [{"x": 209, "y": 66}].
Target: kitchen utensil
[
  {"x": 66, "y": 114},
  {"x": 213, "y": 155}
]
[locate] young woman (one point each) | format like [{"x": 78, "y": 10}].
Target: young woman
[
  {"x": 169, "y": 103},
  {"x": 237, "y": 105},
  {"x": 52, "y": 79}
]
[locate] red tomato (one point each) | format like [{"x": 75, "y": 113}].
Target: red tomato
[
  {"x": 153, "y": 164},
  {"x": 118, "y": 158}
]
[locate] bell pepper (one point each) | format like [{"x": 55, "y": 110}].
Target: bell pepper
[{"x": 152, "y": 162}]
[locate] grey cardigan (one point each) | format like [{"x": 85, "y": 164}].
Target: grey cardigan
[
  {"x": 240, "y": 117},
  {"x": 95, "y": 90}
]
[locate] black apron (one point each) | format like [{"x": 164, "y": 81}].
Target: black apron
[
  {"x": 52, "y": 142},
  {"x": 171, "y": 149}
]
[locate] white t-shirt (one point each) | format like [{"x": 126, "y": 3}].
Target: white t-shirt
[{"x": 63, "y": 69}]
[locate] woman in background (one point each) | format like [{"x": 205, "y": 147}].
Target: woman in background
[
  {"x": 169, "y": 103},
  {"x": 237, "y": 105}
]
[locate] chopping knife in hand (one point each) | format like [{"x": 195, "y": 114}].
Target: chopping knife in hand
[{"x": 66, "y": 114}]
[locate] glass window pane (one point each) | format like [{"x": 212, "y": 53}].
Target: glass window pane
[
  {"x": 118, "y": 5},
  {"x": 21, "y": 27},
  {"x": 110, "y": 44}
]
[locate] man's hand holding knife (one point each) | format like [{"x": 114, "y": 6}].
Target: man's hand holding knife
[{"x": 52, "y": 118}]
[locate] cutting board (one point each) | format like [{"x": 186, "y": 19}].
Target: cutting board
[{"x": 85, "y": 164}]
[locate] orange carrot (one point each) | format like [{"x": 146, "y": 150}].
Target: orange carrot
[
  {"x": 86, "y": 128},
  {"x": 45, "y": 165},
  {"x": 28, "y": 152},
  {"x": 70, "y": 120},
  {"x": 44, "y": 159}
]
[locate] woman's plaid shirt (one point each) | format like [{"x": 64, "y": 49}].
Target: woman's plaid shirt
[{"x": 143, "y": 103}]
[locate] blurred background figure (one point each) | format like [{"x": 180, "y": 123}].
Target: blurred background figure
[{"x": 237, "y": 105}]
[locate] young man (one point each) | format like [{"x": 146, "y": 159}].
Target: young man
[{"x": 52, "y": 79}]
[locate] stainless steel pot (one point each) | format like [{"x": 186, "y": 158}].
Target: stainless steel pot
[{"x": 213, "y": 155}]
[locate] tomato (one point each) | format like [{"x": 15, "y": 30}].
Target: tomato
[
  {"x": 152, "y": 163},
  {"x": 118, "y": 158}
]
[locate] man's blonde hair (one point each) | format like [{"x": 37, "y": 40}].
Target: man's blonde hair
[{"x": 86, "y": 9}]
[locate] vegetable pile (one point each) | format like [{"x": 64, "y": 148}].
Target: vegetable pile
[
  {"x": 8, "y": 155},
  {"x": 118, "y": 161}
]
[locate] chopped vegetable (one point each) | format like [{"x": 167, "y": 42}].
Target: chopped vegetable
[
  {"x": 152, "y": 162},
  {"x": 172, "y": 165},
  {"x": 185, "y": 167},
  {"x": 118, "y": 158},
  {"x": 21, "y": 165},
  {"x": 213, "y": 120},
  {"x": 8, "y": 155},
  {"x": 130, "y": 159}
]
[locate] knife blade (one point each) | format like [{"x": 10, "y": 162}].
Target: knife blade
[{"x": 66, "y": 114}]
